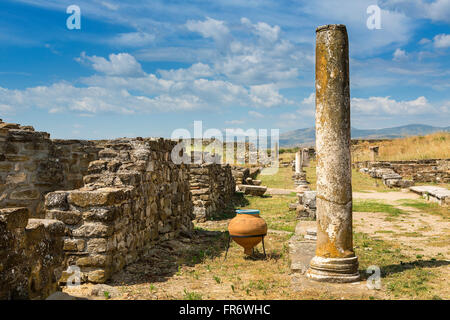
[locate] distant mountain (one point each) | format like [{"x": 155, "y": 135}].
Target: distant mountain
[{"x": 307, "y": 136}]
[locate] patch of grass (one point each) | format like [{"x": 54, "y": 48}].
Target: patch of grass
[
  {"x": 364, "y": 182},
  {"x": 281, "y": 180},
  {"x": 410, "y": 234},
  {"x": 439, "y": 242},
  {"x": 191, "y": 295},
  {"x": 402, "y": 276},
  {"x": 384, "y": 231},
  {"x": 311, "y": 176},
  {"x": 275, "y": 211},
  {"x": 428, "y": 207},
  {"x": 376, "y": 206},
  {"x": 360, "y": 182}
]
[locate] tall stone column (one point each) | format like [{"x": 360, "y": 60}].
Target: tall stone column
[
  {"x": 298, "y": 164},
  {"x": 335, "y": 260}
]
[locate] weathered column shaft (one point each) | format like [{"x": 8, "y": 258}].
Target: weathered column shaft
[
  {"x": 298, "y": 164},
  {"x": 335, "y": 260}
]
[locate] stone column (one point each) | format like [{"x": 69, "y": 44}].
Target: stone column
[
  {"x": 305, "y": 157},
  {"x": 374, "y": 153},
  {"x": 298, "y": 164},
  {"x": 335, "y": 260}
]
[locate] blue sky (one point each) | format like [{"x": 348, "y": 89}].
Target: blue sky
[{"x": 146, "y": 68}]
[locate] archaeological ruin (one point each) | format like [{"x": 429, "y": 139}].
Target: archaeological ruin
[{"x": 96, "y": 205}]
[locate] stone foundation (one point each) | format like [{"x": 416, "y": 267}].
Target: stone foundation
[
  {"x": 94, "y": 205},
  {"x": 31, "y": 255},
  {"x": 134, "y": 196},
  {"x": 212, "y": 187},
  {"x": 31, "y": 165},
  {"x": 431, "y": 170}
]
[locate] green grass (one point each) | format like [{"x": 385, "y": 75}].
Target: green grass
[
  {"x": 191, "y": 295},
  {"x": 428, "y": 207},
  {"x": 360, "y": 182},
  {"x": 363, "y": 182},
  {"x": 402, "y": 276},
  {"x": 376, "y": 206},
  {"x": 275, "y": 211},
  {"x": 281, "y": 180}
]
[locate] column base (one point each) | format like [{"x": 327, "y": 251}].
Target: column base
[{"x": 338, "y": 270}]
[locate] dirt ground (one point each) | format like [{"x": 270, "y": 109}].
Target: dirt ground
[{"x": 195, "y": 268}]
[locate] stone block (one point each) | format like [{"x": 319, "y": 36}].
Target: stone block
[
  {"x": 57, "y": 200},
  {"x": 93, "y": 230},
  {"x": 68, "y": 217},
  {"x": 99, "y": 197},
  {"x": 14, "y": 218}
]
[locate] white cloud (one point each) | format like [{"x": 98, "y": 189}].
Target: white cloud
[
  {"x": 235, "y": 122},
  {"x": 424, "y": 41},
  {"x": 123, "y": 87},
  {"x": 263, "y": 30},
  {"x": 437, "y": 10},
  {"x": 399, "y": 55},
  {"x": 260, "y": 59},
  {"x": 442, "y": 41},
  {"x": 386, "y": 105},
  {"x": 110, "y": 6},
  {"x": 267, "y": 95},
  {"x": 121, "y": 64},
  {"x": 132, "y": 39},
  {"x": 210, "y": 28},
  {"x": 197, "y": 70},
  {"x": 6, "y": 109},
  {"x": 255, "y": 114}
]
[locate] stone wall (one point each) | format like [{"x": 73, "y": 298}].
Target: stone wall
[
  {"x": 31, "y": 165},
  {"x": 31, "y": 255},
  {"x": 96, "y": 205},
  {"x": 431, "y": 170},
  {"x": 134, "y": 196},
  {"x": 212, "y": 187},
  {"x": 240, "y": 174}
]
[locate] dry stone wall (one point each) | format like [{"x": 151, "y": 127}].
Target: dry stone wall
[
  {"x": 134, "y": 196},
  {"x": 31, "y": 165},
  {"x": 31, "y": 255},
  {"x": 96, "y": 205},
  {"x": 241, "y": 174},
  {"x": 212, "y": 187},
  {"x": 430, "y": 170}
]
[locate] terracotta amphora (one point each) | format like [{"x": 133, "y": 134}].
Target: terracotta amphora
[{"x": 247, "y": 229}]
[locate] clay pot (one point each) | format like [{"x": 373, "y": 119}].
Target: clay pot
[{"x": 247, "y": 228}]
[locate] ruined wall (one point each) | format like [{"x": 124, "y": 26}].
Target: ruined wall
[
  {"x": 93, "y": 204},
  {"x": 212, "y": 187},
  {"x": 31, "y": 165},
  {"x": 240, "y": 174},
  {"x": 430, "y": 170},
  {"x": 30, "y": 255},
  {"x": 134, "y": 196}
]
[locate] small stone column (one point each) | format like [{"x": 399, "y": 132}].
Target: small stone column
[
  {"x": 298, "y": 163},
  {"x": 305, "y": 157},
  {"x": 374, "y": 153},
  {"x": 335, "y": 260}
]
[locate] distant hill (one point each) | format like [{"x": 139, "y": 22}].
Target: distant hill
[{"x": 307, "y": 136}]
